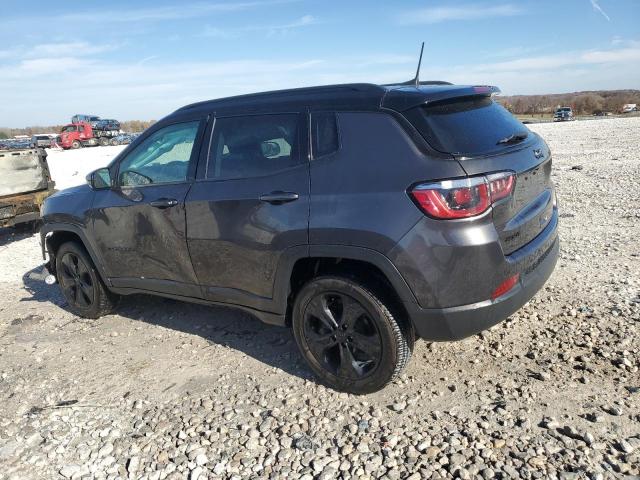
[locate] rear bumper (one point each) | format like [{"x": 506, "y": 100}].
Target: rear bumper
[{"x": 455, "y": 323}]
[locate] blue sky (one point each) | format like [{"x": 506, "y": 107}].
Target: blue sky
[{"x": 141, "y": 60}]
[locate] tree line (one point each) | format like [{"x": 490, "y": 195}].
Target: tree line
[{"x": 582, "y": 103}]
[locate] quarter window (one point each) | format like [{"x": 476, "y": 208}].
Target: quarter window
[
  {"x": 324, "y": 130},
  {"x": 163, "y": 157},
  {"x": 255, "y": 145}
]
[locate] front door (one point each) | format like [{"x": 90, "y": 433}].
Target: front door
[
  {"x": 139, "y": 224},
  {"x": 251, "y": 208}
]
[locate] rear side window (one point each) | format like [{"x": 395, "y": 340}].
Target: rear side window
[
  {"x": 465, "y": 126},
  {"x": 324, "y": 131},
  {"x": 254, "y": 145}
]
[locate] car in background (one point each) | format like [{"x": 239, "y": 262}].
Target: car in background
[
  {"x": 563, "y": 114},
  {"x": 106, "y": 124},
  {"x": 126, "y": 138},
  {"x": 40, "y": 141},
  {"x": 630, "y": 107},
  {"x": 123, "y": 139},
  {"x": 16, "y": 144},
  {"x": 81, "y": 117}
]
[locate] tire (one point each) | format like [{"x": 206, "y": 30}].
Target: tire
[
  {"x": 113, "y": 142},
  {"x": 76, "y": 144},
  {"x": 80, "y": 283},
  {"x": 348, "y": 336},
  {"x": 104, "y": 141}
]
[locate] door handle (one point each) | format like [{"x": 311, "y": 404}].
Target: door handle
[
  {"x": 164, "y": 203},
  {"x": 278, "y": 198}
]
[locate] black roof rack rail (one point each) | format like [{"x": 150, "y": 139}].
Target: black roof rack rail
[{"x": 356, "y": 87}]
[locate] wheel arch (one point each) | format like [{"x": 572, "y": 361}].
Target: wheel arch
[
  {"x": 55, "y": 234},
  {"x": 368, "y": 266}
]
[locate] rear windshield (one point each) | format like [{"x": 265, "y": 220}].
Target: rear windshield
[{"x": 465, "y": 126}]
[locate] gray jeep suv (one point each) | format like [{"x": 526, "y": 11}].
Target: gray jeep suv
[{"x": 362, "y": 216}]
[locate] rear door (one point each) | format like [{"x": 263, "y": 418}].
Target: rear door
[
  {"x": 249, "y": 211},
  {"x": 486, "y": 138},
  {"x": 139, "y": 224}
]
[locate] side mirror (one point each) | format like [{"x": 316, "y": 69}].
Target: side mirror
[
  {"x": 270, "y": 149},
  {"x": 99, "y": 179}
]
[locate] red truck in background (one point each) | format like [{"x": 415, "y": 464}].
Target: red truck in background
[{"x": 83, "y": 134}]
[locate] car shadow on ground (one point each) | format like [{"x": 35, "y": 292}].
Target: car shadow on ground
[
  {"x": 229, "y": 327},
  {"x": 15, "y": 234}
]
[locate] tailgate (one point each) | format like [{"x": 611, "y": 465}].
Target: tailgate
[
  {"x": 521, "y": 217},
  {"x": 21, "y": 171}
]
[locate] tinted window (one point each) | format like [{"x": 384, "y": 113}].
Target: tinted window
[
  {"x": 324, "y": 131},
  {"x": 253, "y": 145},
  {"x": 162, "y": 157},
  {"x": 465, "y": 126}
]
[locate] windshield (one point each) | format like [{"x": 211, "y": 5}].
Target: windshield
[
  {"x": 69, "y": 128},
  {"x": 466, "y": 126}
]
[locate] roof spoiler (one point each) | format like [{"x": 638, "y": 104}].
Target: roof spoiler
[
  {"x": 422, "y": 82},
  {"x": 405, "y": 97}
]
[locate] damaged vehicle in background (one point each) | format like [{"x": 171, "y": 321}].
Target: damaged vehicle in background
[{"x": 25, "y": 182}]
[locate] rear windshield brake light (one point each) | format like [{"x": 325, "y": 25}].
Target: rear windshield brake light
[{"x": 486, "y": 89}]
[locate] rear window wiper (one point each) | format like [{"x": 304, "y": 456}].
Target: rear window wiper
[{"x": 513, "y": 138}]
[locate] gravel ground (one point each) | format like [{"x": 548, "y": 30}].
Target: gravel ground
[{"x": 164, "y": 389}]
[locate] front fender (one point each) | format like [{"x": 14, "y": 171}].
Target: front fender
[{"x": 49, "y": 229}]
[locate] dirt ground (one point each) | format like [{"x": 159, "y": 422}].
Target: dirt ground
[{"x": 164, "y": 389}]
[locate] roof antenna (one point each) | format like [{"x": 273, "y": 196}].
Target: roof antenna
[{"x": 417, "y": 78}]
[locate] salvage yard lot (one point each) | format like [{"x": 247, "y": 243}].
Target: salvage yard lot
[{"x": 163, "y": 389}]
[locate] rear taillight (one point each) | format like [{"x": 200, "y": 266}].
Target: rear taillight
[
  {"x": 463, "y": 198},
  {"x": 500, "y": 185}
]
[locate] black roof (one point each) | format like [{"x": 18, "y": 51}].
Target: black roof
[{"x": 364, "y": 96}]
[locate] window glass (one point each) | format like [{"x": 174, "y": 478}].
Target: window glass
[
  {"x": 465, "y": 126},
  {"x": 324, "y": 129},
  {"x": 253, "y": 145},
  {"x": 163, "y": 157}
]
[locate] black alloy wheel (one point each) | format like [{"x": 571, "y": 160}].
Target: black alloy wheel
[
  {"x": 348, "y": 334},
  {"x": 341, "y": 335},
  {"x": 80, "y": 282},
  {"x": 76, "y": 282}
]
